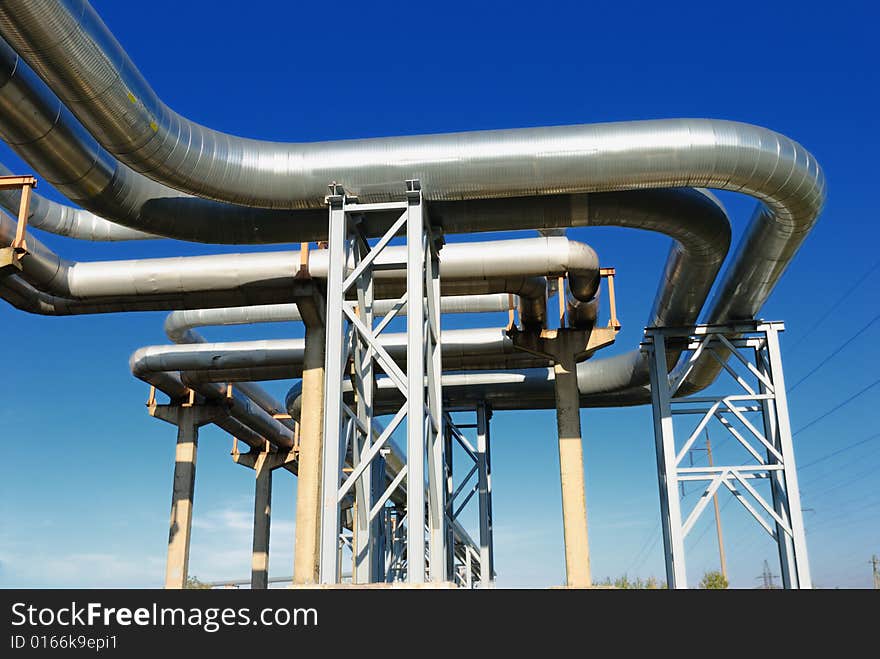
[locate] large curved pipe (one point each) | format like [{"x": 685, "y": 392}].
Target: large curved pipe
[
  {"x": 698, "y": 224},
  {"x": 71, "y": 48},
  {"x": 73, "y": 51},
  {"x": 604, "y": 208},
  {"x": 43, "y": 132},
  {"x": 761, "y": 257},
  {"x": 35, "y": 123}
]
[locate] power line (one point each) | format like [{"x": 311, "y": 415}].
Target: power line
[
  {"x": 849, "y": 481},
  {"x": 841, "y": 469},
  {"x": 646, "y": 550},
  {"x": 834, "y": 353},
  {"x": 838, "y": 452},
  {"x": 836, "y": 407},
  {"x": 829, "y": 523},
  {"x": 835, "y": 306}
]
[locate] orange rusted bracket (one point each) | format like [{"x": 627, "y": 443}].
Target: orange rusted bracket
[
  {"x": 27, "y": 184},
  {"x": 303, "y": 260},
  {"x": 264, "y": 457},
  {"x": 151, "y": 401},
  {"x": 608, "y": 273},
  {"x": 510, "y": 311},
  {"x": 9, "y": 256}
]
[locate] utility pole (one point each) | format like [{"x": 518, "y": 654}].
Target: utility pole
[
  {"x": 718, "y": 516},
  {"x": 875, "y": 564}
]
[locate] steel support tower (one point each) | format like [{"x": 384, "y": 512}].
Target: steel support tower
[
  {"x": 351, "y": 434},
  {"x": 754, "y": 411}
]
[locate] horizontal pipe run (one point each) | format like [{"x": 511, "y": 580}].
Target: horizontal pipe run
[
  {"x": 179, "y": 325},
  {"x": 264, "y": 277},
  {"x": 283, "y": 358}
]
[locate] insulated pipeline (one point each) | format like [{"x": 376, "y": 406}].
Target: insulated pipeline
[
  {"x": 70, "y": 47},
  {"x": 279, "y": 359},
  {"x": 42, "y": 131},
  {"x": 269, "y": 277},
  {"x": 66, "y": 220},
  {"x": 530, "y": 178},
  {"x": 180, "y": 325}
]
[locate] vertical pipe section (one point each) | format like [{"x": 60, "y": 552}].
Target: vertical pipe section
[
  {"x": 308, "y": 489},
  {"x": 571, "y": 472},
  {"x": 262, "y": 524},
  {"x": 177, "y": 566}
]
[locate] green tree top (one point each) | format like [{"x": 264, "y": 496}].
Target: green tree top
[{"x": 713, "y": 580}]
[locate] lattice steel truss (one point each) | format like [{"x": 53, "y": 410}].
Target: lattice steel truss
[
  {"x": 352, "y": 435},
  {"x": 756, "y": 415},
  {"x": 469, "y": 564}
]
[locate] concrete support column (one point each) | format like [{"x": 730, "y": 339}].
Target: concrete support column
[
  {"x": 571, "y": 472},
  {"x": 566, "y": 347},
  {"x": 262, "y": 524},
  {"x": 311, "y": 447},
  {"x": 177, "y": 565},
  {"x": 263, "y": 461},
  {"x": 188, "y": 419}
]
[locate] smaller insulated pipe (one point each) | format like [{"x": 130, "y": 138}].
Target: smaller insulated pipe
[
  {"x": 269, "y": 277},
  {"x": 64, "y": 220},
  {"x": 240, "y": 407},
  {"x": 179, "y": 324},
  {"x": 284, "y": 358}
]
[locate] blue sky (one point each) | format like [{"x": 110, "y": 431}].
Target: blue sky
[{"x": 85, "y": 484}]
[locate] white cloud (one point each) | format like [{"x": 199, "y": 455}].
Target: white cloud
[
  {"x": 220, "y": 549},
  {"x": 48, "y": 569}
]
